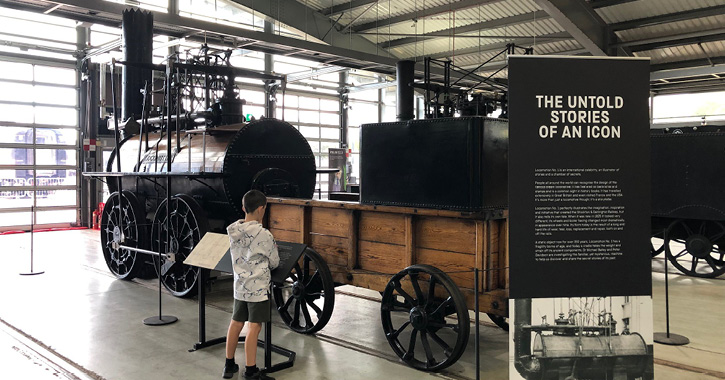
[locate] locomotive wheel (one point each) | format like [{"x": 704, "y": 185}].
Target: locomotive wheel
[
  {"x": 307, "y": 297},
  {"x": 123, "y": 263},
  {"x": 188, "y": 226},
  {"x": 696, "y": 247},
  {"x": 500, "y": 321},
  {"x": 656, "y": 249},
  {"x": 415, "y": 304}
]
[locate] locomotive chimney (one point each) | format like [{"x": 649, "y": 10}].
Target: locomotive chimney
[
  {"x": 404, "y": 71},
  {"x": 137, "y": 45},
  {"x": 522, "y": 339}
]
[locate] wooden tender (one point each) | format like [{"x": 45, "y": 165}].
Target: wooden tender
[{"x": 364, "y": 245}]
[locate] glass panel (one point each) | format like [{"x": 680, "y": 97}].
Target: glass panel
[
  {"x": 355, "y": 171},
  {"x": 309, "y": 117},
  {"x": 290, "y": 101},
  {"x": 16, "y": 135},
  {"x": 329, "y": 105},
  {"x": 252, "y": 96},
  {"x": 329, "y": 119},
  {"x": 310, "y": 132},
  {"x": 55, "y": 157},
  {"x": 325, "y": 146},
  {"x": 56, "y": 116},
  {"x": 309, "y": 103},
  {"x": 56, "y": 136},
  {"x": 315, "y": 146},
  {"x": 353, "y": 139},
  {"x": 291, "y": 115},
  {"x": 16, "y": 156},
  {"x": 330, "y": 133},
  {"x": 16, "y": 92},
  {"x": 55, "y": 177},
  {"x": 16, "y": 113},
  {"x": 56, "y": 216},
  {"x": 14, "y": 218},
  {"x": 55, "y": 95},
  {"x": 56, "y": 198},
  {"x": 56, "y": 75},
  {"x": 17, "y": 71},
  {"x": 256, "y": 111}
]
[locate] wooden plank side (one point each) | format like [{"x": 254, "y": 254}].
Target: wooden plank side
[
  {"x": 380, "y": 257},
  {"x": 446, "y": 234},
  {"x": 504, "y": 249},
  {"x": 353, "y": 236},
  {"x": 382, "y": 227},
  {"x": 330, "y": 222},
  {"x": 285, "y": 217},
  {"x": 332, "y": 248},
  {"x": 284, "y": 235},
  {"x": 409, "y": 258},
  {"x": 493, "y": 259},
  {"x": 480, "y": 250},
  {"x": 458, "y": 266}
]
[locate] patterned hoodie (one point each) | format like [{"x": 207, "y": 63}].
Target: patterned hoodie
[{"x": 254, "y": 255}]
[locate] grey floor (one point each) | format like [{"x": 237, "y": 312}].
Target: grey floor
[{"x": 76, "y": 321}]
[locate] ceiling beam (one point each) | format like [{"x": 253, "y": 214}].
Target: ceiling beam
[
  {"x": 553, "y": 37},
  {"x": 667, "y": 18},
  {"x": 582, "y": 22},
  {"x": 608, "y": 3},
  {"x": 688, "y": 64},
  {"x": 311, "y": 22},
  {"x": 421, "y": 13},
  {"x": 346, "y": 7},
  {"x": 479, "y": 26},
  {"x": 674, "y": 40},
  {"x": 687, "y": 72}
]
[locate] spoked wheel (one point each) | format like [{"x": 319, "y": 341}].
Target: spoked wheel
[
  {"x": 306, "y": 299},
  {"x": 502, "y": 322},
  {"x": 657, "y": 243},
  {"x": 188, "y": 224},
  {"x": 123, "y": 224},
  {"x": 415, "y": 306},
  {"x": 696, "y": 247}
]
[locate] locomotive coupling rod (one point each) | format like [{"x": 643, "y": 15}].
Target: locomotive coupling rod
[{"x": 166, "y": 255}]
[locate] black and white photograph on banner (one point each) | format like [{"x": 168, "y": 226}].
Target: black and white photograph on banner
[{"x": 577, "y": 338}]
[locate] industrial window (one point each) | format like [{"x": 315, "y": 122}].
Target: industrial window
[{"x": 38, "y": 145}]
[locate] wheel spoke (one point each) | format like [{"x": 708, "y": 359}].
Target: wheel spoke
[
  {"x": 306, "y": 314},
  {"x": 305, "y": 268},
  {"x": 394, "y": 334},
  {"x": 296, "y": 317},
  {"x": 687, "y": 228},
  {"x": 717, "y": 237},
  {"x": 403, "y": 293},
  {"x": 711, "y": 262},
  {"x": 431, "y": 290},
  {"x": 702, "y": 227},
  {"x": 416, "y": 287},
  {"x": 439, "y": 325},
  {"x": 287, "y": 303},
  {"x": 695, "y": 259},
  {"x": 681, "y": 253},
  {"x": 411, "y": 345},
  {"x": 443, "y": 306},
  {"x": 446, "y": 348},
  {"x": 312, "y": 281},
  {"x": 426, "y": 347},
  {"x": 314, "y": 307}
]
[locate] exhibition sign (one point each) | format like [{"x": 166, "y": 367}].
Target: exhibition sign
[{"x": 579, "y": 212}]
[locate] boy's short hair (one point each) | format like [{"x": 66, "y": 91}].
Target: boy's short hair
[{"x": 252, "y": 200}]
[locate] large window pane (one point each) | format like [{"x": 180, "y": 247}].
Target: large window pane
[
  {"x": 14, "y": 218},
  {"x": 330, "y": 133},
  {"x": 55, "y": 75},
  {"x": 56, "y": 116},
  {"x": 56, "y": 216},
  {"x": 63, "y": 136},
  {"x": 16, "y": 92},
  {"x": 55, "y": 95},
  {"x": 16, "y": 135},
  {"x": 16, "y": 113},
  {"x": 55, "y": 156},
  {"x": 16, "y": 71}
]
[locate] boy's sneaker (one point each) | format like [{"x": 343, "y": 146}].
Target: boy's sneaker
[
  {"x": 230, "y": 370},
  {"x": 259, "y": 375}
]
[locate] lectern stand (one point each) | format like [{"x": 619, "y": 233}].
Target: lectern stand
[{"x": 212, "y": 252}]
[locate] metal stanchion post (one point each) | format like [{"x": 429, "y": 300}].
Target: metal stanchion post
[{"x": 667, "y": 337}]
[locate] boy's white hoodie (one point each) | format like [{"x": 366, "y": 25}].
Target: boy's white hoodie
[{"x": 254, "y": 255}]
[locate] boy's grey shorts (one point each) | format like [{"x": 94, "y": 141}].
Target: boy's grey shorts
[{"x": 256, "y": 312}]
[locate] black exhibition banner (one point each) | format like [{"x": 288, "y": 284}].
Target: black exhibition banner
[{"x": 579, "y": 177}]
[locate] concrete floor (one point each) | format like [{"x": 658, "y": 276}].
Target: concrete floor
[{"x": 76, "y": 321}]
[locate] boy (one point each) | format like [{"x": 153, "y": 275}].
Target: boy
[{"x": 254, "y": 255}]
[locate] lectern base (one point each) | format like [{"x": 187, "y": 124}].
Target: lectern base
[
  {"x": 32, "y": 273},
  {"x": 671, "y": 340},
  {"x": 160, "y": 320}
]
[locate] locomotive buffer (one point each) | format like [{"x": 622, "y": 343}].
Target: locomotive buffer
[{"x": 212, "y": 253}]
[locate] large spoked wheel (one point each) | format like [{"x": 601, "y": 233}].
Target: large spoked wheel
[
  {"x": 123, "y": 224},
  {"x": 696, "y": 247},
  {"x": 307, "y": 297},
  {"x": 188, "y": 224},
  {"x": 657, "y": 244},
  {"x": 425, "y": 318}
]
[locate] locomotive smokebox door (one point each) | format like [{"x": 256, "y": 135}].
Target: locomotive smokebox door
[
  {"x": 447, "y": 163},
  {"x": 271, "y": 156}
]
